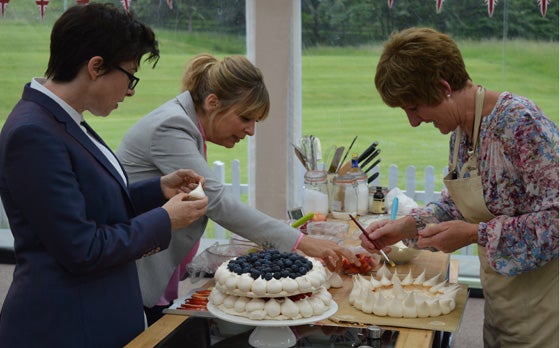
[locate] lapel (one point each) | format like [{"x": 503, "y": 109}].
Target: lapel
[
  {"x": 186, "y": 103},
  {"x": 73, "y": 130}
]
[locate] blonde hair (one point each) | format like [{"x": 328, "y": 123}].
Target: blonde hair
[
  {"x": 412, "y": 65},
  {"x": 234, "y": 80}
]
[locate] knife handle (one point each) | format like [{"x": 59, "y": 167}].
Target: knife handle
[
  {"x": 372, "y": 177},
  {"x": 372, "y": 166},
  {"x": 368, "y": 151},
  {"x": 370, "y": 158}
]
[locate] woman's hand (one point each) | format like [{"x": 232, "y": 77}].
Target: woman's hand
[
  {"x": 330, "y": 252},
  {"x": 387, "y": 232},
  {"x": 183, "y": 210},
  {"x": 448, "y": 236},
  {"x": 181, "y": 180}
]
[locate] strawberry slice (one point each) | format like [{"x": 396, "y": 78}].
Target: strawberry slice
[
  {"x": 367, "y": 264},
  {"x": 191, "y": 307}
]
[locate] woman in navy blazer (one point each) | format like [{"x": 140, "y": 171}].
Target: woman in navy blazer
[{"x": 77, "y": 224}]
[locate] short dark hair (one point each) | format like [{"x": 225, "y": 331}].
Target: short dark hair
[{"x": 97, "y": 29}]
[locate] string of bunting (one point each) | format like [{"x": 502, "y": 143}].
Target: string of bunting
[{"x": 491, "y": 4}]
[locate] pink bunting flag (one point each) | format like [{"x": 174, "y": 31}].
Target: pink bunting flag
[
  {"x": 543, "y": 5},
  {"x": 4, "y": 4},
  {"x": 82, "y": 2},
  {"x": 390, "y": 3},
  {"x": 126, "y": 4},
  {"x": 439, "y": 4},
  {"x": 42, "y": 5},
  {"x": 491, "y": 5},
  {"x": 170, "y": 4}
]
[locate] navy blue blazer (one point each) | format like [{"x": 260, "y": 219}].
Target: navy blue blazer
[{"x": 78, "y": 231}]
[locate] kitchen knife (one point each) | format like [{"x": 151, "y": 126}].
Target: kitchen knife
[
  {"x": 372, "y": 177},
  {"x": 370, "y": 158},
  {"x": 336, "y": 159},
  {"x": 367, "y": 152},
  {"x": 372, "y": 166}
]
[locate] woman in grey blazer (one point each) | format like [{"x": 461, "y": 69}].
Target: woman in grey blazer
[{"x": 221, "y": 102}]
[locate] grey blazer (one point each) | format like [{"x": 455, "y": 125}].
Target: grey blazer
[{"x": 167, "y": 139}]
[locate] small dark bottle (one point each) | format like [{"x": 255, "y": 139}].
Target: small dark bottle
[{"x": 378, "y": 201}]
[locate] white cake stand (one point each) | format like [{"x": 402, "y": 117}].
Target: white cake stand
[{"x": 271, "y": 333}]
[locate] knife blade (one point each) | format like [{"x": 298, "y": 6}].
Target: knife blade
[
  {"x": 367, "y": 152},
  {"x": 336, "y": 159},
  {"x": 370, "y": 158}
]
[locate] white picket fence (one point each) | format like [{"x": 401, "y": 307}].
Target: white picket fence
[{"x": 238, "y": 189}]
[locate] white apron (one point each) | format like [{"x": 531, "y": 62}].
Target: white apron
[{"x": 519, "y": 311}]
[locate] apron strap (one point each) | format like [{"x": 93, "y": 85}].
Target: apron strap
[
  {"x": 479, "y": 102},
  {"x": 458, "y": 136}
]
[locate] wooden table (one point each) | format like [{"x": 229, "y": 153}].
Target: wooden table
[{"x": 408, "y": 337}]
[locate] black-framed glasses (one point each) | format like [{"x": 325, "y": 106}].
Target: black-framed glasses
[{"x": 132, "y": 80}]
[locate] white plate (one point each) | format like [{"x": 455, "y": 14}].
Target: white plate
[
  {"x": 246, "y": 321},
  {"x": 271, "y": 333}
]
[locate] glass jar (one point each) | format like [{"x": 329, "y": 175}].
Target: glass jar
[
  {"x": 315, "y": 192},
  {"x": 344, "y": 197},
  {"x": 361, "y": 186}
]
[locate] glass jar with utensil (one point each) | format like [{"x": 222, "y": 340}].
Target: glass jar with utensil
[
  {"x": 344, "y": 197},
  {"x": 315, "y": 192},
  {"x": 361, "y": 186}
]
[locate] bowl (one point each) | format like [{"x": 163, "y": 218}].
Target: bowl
[
  {"x": 400, "y": 253},
  {"x": 220, "y": 253},
  {"x": 326, "y": 237},
  {"x": 336, "y": 229},
  {"x": 237, "y": 239}
]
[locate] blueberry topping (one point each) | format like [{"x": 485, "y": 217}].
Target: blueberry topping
[{"x": 270, "y": 264}]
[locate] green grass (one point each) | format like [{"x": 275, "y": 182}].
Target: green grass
[{"x": 339, "y": 98}]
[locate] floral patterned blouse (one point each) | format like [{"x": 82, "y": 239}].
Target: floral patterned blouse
[{"x": 518, "y": 164}]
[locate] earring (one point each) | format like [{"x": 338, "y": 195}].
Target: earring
[{"x": 448, "y": 96}]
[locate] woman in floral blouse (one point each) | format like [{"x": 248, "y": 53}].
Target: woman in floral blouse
[{"x": 501, "y": 192}]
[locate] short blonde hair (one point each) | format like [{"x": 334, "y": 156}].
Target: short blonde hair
[
  {"x": 236, "y": 82},
  {"x": 412, "y": 65}
]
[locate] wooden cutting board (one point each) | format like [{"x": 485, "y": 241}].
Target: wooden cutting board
[{"x": 433, "y": 263}]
